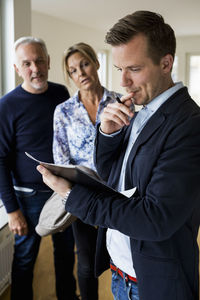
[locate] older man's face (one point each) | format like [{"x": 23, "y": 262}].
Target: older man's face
[{"x": 32, "y": 65}]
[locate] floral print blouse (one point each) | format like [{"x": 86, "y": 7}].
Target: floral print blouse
[{"x": 74, "y": 132}]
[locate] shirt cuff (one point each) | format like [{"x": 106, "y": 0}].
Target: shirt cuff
[
  {"x": 109, "y": 135},
  {"x": 64, "y": 200}
]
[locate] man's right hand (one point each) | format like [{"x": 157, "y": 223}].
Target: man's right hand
[
  {"x": 116, "y": 115},
  {"x": 17, "y": 223}
]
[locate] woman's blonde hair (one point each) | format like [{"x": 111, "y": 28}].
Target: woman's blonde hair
[{"x": 86, "y": 50}]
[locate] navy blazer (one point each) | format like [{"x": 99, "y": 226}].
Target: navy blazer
[{"x": 162, "y": 217}]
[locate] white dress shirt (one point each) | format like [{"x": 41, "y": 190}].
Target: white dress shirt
[{"x": 118, "y": 244}]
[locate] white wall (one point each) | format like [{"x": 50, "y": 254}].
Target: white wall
[
  {"x": 186, "y": 45},
  {"x": 14, "y": 24},
  {"x": 59, "y": 35}
]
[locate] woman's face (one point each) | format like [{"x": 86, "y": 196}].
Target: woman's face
[{"x": 82, "y": 71}]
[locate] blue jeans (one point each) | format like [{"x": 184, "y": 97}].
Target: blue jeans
[
  {"x": 122, "y": 289},
  {"x": 27, "y": 247}
]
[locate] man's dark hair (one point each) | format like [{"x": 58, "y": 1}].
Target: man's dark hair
[{"x": 160, "y": 36}]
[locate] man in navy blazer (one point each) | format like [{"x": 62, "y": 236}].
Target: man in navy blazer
[{"x": 150, "y": 231}]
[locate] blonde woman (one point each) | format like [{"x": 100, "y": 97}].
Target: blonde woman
[{"x": 75, "y": 122}]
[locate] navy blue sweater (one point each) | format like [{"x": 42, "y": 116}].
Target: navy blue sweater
[{"x": 26, "y": 124}]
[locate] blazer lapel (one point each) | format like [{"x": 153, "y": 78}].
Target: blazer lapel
[{"x": 152, "y": 125}]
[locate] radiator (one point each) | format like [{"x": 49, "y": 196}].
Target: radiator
[{"x": 6, "y": 256}]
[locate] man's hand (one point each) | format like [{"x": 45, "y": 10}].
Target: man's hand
[
  {"x": 56, "y": 183},
  {"x": 116, "y": 115},
  {"x": 17, "y": 223}
]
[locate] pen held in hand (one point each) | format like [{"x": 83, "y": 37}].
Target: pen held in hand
[
  {"x": 132, "y": 107},
  {"x": 118, "y": 100}
]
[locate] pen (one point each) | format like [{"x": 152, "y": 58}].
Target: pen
[
  {"x": 118, "y": 100},
  {"x": 132, "y": 107}
]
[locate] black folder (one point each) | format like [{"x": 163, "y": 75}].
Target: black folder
[{"x": 77, "y": 174}]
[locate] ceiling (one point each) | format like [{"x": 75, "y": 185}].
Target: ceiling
[{"x": 182, "y": 15}]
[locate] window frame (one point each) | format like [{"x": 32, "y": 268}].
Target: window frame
[
  {"x": 188, "y": 69},
  {"x": 103, "y": 70}
]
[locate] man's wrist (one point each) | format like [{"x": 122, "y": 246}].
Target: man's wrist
[
  {"x": 109, "y": 134},
  {"x": 64, "y": 199}
]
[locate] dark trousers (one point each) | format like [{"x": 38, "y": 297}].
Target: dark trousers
[
  {"x": 85, "y": 239},
  {"x": 27, "y": 247}
]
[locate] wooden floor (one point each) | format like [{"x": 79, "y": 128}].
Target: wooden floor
[{"x": 44, "y": 280}]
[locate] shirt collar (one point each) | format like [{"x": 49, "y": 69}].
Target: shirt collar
[
  {"x": 159, "y": 100},
  {"x": 106, "y": 95}
]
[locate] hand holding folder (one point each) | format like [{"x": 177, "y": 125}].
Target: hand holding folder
[
  {"x": 76, "y": 174},
  {"x": 54, "y": 217}
]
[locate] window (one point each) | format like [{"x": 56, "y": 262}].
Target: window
[
  {"x": 6, "y": 41},
  {"x": 102, "y": 72},
  {"x": 175, "y": 69},
  {"x": 193, "y": 63}
]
